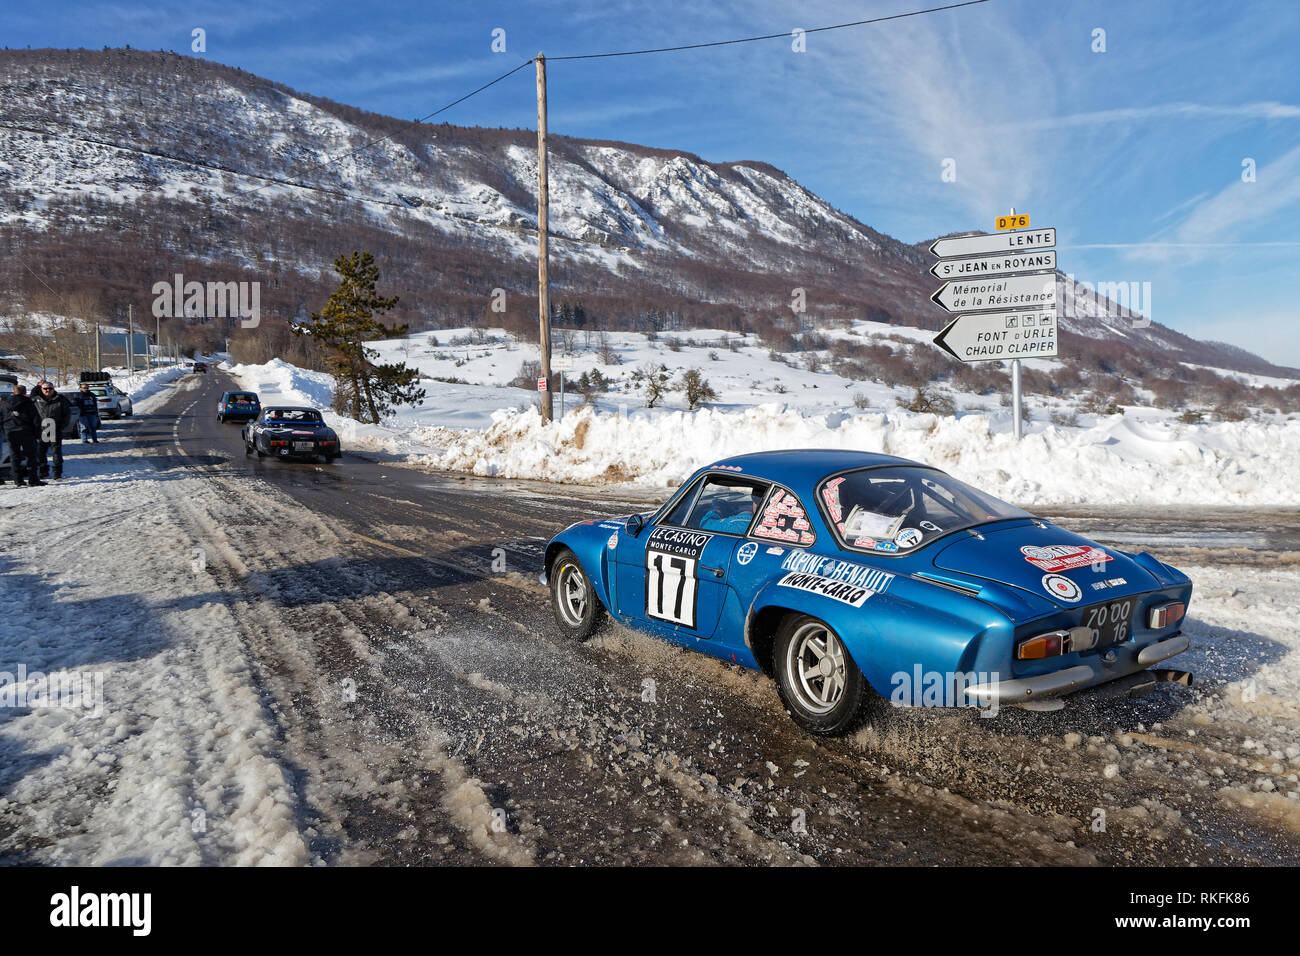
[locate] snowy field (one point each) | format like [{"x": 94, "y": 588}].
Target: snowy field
[{"x": 483, "y": 426}]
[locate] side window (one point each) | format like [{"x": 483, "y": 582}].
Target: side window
[
  {"x": 784, "y": 519},
  {"x": 677, "y": 517},
  {"x": 727, "y": 504}
]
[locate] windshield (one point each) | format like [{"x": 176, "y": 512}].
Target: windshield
[
  {"x": 899, "y": 509},
  {"x": 299, "y": 415}
]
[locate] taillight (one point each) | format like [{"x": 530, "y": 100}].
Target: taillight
[
  {"x": 329, "y": 443},
  {"x": 279, "y": 444},
  {"x": 1056, "y": 643},
  {"x": 1165, "y": 615},
  {"x": 1051, "y": 644}
]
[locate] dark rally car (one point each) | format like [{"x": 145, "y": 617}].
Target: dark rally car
[{"x": 291, "y": 433}]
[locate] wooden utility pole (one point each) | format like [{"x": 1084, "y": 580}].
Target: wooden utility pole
[
  {"x": 543, "y": 279},
  {"x": 130, "y": 340},
  {"x": 99, "y": 362}
]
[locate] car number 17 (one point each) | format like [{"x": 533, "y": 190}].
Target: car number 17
[{"x": 670, "y": 588}]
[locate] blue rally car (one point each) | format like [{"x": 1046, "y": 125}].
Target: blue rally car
[{"x": 852, "y": 577}]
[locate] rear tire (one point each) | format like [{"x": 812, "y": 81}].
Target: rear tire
[
  {"x": 822, "y": 689},
  {"x": 573, "y": 599}
]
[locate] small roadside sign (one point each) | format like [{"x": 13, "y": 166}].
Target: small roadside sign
[
  {"x": 1000, "y": 336},
  {"x": 541, "y": 384},
  {"x": 997, "y": 292},
  {"x": 561, "y": 363},
  {"x": 1014, "y": 221},
  {"x": 994, "y": 265},
  {"x": 983, "y": 245}
]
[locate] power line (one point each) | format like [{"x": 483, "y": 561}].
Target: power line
[
  {"x": 767, "y": 36},
  {"x": 595, "y": 56}
]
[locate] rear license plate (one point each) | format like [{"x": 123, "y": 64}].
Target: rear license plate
[
  {"x": 1110, "y": 623},
  {"x": 304, "y": 445}
]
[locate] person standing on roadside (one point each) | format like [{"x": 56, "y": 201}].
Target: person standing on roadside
[
  {"x": 21, "y": 424},
  {"x": 88, "y": 424},
  {"x": 56, "y": 412}
]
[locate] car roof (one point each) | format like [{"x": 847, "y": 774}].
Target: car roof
[
  {"x": 805, "y": 465},
  {"x": 287, "y": 408}
]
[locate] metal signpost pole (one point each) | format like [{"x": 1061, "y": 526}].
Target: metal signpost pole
[
  {"x": 1016, "y": 424},
  {"x": 1015, "y": 397}
]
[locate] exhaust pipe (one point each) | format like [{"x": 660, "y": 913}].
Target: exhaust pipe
[{"x": 1167, "y": 676}]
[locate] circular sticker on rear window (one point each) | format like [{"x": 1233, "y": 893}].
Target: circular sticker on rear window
[
  {"x": 747, "y": 552},
  {"x": 1061, "y": 588},
  {"x": 908, "y": 538}
]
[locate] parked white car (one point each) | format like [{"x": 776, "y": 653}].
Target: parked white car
[{"x": 112, "y": 401}]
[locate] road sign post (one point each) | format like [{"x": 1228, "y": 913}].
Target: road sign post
[
  {"x": 1016, "y": 423},
  {"x": 1004, "y": 283},
  {"x": 997, "y": 292},
  {"x": 1000, "y": 336}
]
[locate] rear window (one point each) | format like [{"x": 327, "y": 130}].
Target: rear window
[
  {"x": 292, "y": 415},
  {"x": 900, "y": 508},
  {"x": 245, "y": 397}
]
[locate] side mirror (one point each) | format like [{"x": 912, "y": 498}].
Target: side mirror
[{"x": 634, "y": 525}]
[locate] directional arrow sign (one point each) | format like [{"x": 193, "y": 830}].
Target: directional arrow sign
[
  {"x": 998, "y": 292},
  {"x": 994, "y": 265},
  {"x": 1024, "y": 241},
  {"x": 1000, "y": 336}
]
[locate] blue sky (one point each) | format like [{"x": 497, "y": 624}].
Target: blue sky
[{"x": 1135, "y": 154}]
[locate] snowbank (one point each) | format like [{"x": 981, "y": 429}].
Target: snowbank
[{"x": 1117, "y": 460}]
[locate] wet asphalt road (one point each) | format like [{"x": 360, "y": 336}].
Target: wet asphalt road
[{"x": 405, "y": 600}]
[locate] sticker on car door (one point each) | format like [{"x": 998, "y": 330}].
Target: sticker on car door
[{"x": 672, "y": 558}]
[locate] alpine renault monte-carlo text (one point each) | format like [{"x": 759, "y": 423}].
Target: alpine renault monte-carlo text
[
  {"x": 849, "y": 577},
  {"x": 291, "y": 433}
]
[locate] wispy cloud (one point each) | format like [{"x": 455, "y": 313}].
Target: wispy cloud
[
  {"x": 1164, "y": 111},
  {"x": 1237, "y": 208}
]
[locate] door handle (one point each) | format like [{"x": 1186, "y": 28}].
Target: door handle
[{"x": 717, "y": 572}]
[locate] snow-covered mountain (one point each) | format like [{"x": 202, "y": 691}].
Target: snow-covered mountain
[{"x": 121, "y": 168}]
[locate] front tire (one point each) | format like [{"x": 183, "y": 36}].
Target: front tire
[
  {"x": 573, "y": 599},
  {"x": 822, "y": 689}
]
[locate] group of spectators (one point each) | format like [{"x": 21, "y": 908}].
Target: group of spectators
[{"x": 34, "y": 427}]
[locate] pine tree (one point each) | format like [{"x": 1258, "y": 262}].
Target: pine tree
[{"x": 363, "y": 389}]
